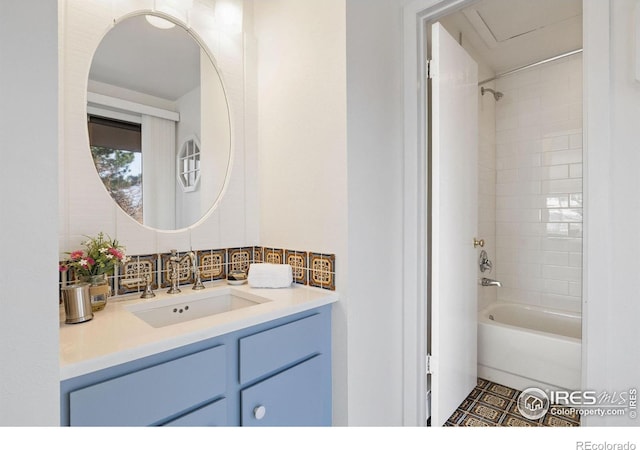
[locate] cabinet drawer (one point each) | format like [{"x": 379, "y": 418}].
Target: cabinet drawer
[
  {"x": 299, "y": 396},
  {"x": 211, "y": 415},
  {"x": 272, "y": 349},
  {"x": 150, "y": 395}
]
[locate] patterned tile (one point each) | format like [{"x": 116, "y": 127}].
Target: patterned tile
[
  {"x": 502, "y": 390},
  {"x": 322, "y": 270},
  {"x": 457, "y": 415},
  {"x": 240, "y": 258},
  {"x": 137, "y": 267},
  {"x": 493, "y": 415},
  {"x": 494, "y": 400},
  {"x": 314, "y": 269},
  {"x": 492, "y": 404},
  {"x": 298, "y": 262},
  {"x": 212, "y": 264},
  {"x": 515, "y": 421},
  {"x": 258, "y": 255},
  {"x": 273, "y": 255},
  {"x": 470, "y": 421},
  {"x": 475, "y": 393}
]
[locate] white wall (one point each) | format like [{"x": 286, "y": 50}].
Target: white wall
[
  {"x": 612, "y": 218},
  {"x": 85, "y": 206},
  {"x": 28, "y": 182},
  {"x": 302, "y": 143},
  {"x": 539, "y": 186},
  {"x": 375, "y": 184}
]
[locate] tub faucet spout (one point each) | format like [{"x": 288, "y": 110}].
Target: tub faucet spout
[{"x": 490, "y": 282}]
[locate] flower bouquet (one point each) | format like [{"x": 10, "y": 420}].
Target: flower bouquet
[{"x": 99, "y": 258}]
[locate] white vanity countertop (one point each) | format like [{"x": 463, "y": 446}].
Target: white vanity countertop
[{"x": 115, "y": 335}]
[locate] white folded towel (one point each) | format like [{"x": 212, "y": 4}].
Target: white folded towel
[{"x": 264, "y": 275}]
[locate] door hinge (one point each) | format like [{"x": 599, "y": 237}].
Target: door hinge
[
  {"x": 429, "y": 69},
  {"x": 428, "y": 365}
]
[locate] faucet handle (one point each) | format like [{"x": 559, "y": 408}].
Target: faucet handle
[
  {"x": 484, "y": 262},
  {"x": 148, "y": 292}
]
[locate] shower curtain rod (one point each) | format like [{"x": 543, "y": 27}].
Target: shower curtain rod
[{"x": 528, "y": 66}]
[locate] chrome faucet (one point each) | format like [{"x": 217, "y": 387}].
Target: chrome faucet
[
  {"x": 197, "y": 283},
  {"x": 174, "y": 272},
  {"x": 490, "y": 282}
]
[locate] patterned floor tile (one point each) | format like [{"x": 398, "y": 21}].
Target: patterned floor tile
[{"x": 492, "y": 404}]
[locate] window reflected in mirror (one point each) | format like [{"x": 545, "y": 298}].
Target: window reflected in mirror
[{"x": 116, "y": 148}]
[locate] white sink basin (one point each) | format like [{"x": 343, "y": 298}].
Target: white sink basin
[{"x": 161, "y": 313}]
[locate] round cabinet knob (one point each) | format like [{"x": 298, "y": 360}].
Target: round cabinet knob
[{"x": 259, "y": 412}]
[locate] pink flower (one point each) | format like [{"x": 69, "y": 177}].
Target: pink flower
[
  {"x": 62, "y": 268},
  {"x": 115, "y": 252},
  {"x": 78, "y": 254}
]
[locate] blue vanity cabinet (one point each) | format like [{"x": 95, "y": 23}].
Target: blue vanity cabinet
[
  {"x": 295, "y": 380},
  {"x": 274, "y": 373},
  {"x": 155, "y": 394}
]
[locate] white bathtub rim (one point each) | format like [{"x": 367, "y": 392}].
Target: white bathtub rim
[{"x": 483, "y": 319}]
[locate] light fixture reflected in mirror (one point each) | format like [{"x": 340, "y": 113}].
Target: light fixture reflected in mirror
[{"x": 159, "y": 22}]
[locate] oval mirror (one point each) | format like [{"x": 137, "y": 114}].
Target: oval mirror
[{"x": 158, "y": 122}]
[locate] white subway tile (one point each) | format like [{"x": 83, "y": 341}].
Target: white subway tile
[
  {"x": 576, "y": 111},
  {"x": 519, "y": 188},
  {"x": 562, "y": 215},
  {"x": 575, "y": 140},
  {"x": 555, "y": 143},
  {"x": 557, "y": 230},
  {"x": 519, "y": 296},
  {"x": 556, "y": 201},
  {"x": 530, "y": 146},
  {"x": 570, "y": 126},
  {"x": 561, "y": 273},
  {"x": 575, "y": 259},
  {"x": 562, "y": 302},
  {"x": 518, "y": 215},
  {"x": 575, "y": 171},
  {"x": 560, "y": 287},
  {"x": 575, "y": 289},
  {"x": 538, "y": 176},
  {"x": 575, "y": 230},
  {"x": 559, "y": 244},
  {"x": 554, "y": 158},
  {"x": 555, "y": 258},
  {"x": 554, "y": 172},
  {"x": 575, "y": 200},
  {"x": 561, "y": 186}
]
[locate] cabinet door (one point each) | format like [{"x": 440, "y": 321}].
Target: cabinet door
[
  {"x": 150, "y": 395},
  {"x": 299, "y": 396},
  {"x": 211, "y": 415},
  {"x": 270, "y": 350}
]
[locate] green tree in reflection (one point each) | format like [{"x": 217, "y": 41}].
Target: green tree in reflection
[{"x": 115, "y": 168}]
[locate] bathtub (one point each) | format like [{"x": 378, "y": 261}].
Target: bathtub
[{"x": 525, "y": 346}]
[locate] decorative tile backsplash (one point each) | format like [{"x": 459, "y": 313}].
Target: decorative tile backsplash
[{"x": 309, "y": 268}]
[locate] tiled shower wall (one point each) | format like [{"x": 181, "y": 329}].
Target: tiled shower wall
[
  {"x": 539, "y": 186},
  {"x": 487, "y": 187}
]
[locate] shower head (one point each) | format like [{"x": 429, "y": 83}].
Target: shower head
[{"x": 497, "y": 95}]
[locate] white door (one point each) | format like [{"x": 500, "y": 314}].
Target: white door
[{"x": 454, "y": 219}]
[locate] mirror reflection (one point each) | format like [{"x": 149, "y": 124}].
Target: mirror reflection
[{"x": 158, "y": 123}]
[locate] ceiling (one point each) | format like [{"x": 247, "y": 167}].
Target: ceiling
[
  {"x": 506, "y": 34},
  {"x": 136, "y": 55}
]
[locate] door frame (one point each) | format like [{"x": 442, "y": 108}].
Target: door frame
[{"x": 596, "y": 135}]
